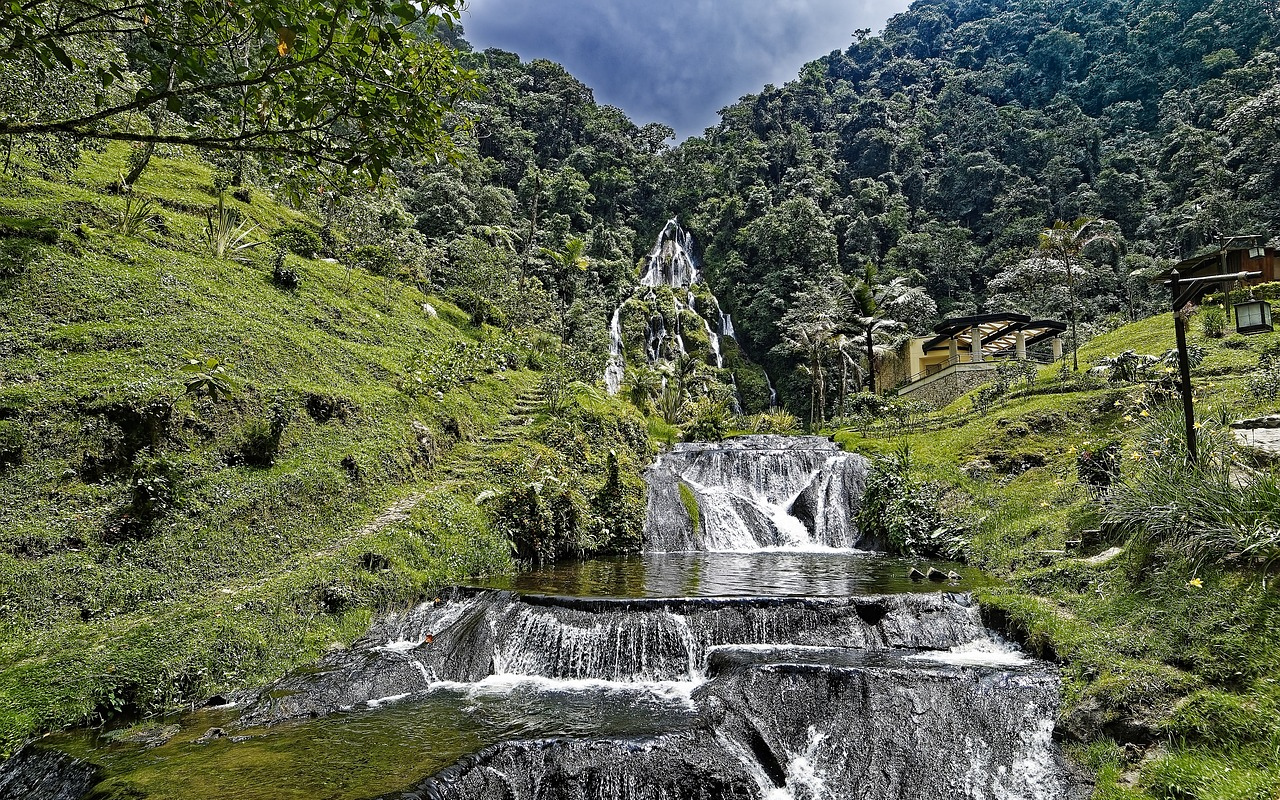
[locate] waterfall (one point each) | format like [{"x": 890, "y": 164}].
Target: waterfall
[
  {"x": 671, "y": 261},
  {"x": 670, "y": 266},
  {"x": 773, "y": 393},
  {"x": 719, "y": 696},
  {"x": 754, "y": 492},
  {"x": 614, "y": 372},
  {"x": 767, "y": 698}
]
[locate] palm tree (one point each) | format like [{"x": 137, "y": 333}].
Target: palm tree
[
  {"x": 866, "y": 312},
  {"x": 1066, "y": 242},
  {"x": 644, "y": 386},
  {"x": 812, "y": 341}
]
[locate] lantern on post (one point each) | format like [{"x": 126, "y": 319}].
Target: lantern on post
[{"x": 1253, "y": 316}]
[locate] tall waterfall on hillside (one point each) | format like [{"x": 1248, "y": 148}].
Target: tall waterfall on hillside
[{"x": 673, "y": 313}]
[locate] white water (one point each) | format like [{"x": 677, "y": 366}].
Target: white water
[
  {"x": 671, "y": 263},
  {"x": 615, "y": 371},
  {"x": 755, "y": 493}
]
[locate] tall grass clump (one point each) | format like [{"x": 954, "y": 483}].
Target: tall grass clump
[{"x": 1215, "y": 507}]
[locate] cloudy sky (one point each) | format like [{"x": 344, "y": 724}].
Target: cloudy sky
[{"x": 674, "y": 61}]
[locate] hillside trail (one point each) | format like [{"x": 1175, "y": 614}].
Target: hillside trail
[{"x": 458, "y": 469}]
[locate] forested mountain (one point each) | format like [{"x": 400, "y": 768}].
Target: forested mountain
[
  {"x": 937, "y": 151},
  {"x": 940, "y": 150}
]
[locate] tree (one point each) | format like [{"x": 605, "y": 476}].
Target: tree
[
  {"x": 354, "y": 84},
  {"x": 870, "y": 310},
  {"x": 807, "y": 329},
  {"x": 1065, "y": 243}
]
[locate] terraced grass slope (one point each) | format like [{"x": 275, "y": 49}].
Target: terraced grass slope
[
  {"x": 1171, "y": 660},
  {"x": 160, "y": 543}
]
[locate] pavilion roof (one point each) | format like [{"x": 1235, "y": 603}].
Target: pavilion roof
[{"x": 998, "y": 332}]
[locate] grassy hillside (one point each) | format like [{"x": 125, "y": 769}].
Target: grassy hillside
[
  {"x": 1169, "y": 653},
  {"x": 158, "y": 542}
]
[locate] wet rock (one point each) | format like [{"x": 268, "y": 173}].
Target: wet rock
[
  {"x": 145, "y": 735},
  {"x": 211, "y": 735},
  {"x": 915, "y": 575},
  {"x": 670, "y": 767},
  {"x": 335, "y": 599},
  {"x": 461, "y": 638},
  {"x": 35, "y": 774},
  {"x": 760, "y": 482},
  {"x": 936, "y": 575},
  {"x": 954, "y": 576}
]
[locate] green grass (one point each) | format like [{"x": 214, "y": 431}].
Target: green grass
[
  {"x": 254, "y": 570},
  {"x": 1174, "y": 656}
]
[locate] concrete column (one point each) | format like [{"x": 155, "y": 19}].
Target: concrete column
[
  {"x": 975, "y": 344},
  {"x": 1020, "y": 349},
  {"x": 1057, "y": 348},
  {"x": 953, "y": 354}
]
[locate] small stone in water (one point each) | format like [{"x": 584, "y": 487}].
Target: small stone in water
[
  {"x": 915, "y": 574},
  {"x": 936, "y": 575},
  {"x": 953, "y": 576}
]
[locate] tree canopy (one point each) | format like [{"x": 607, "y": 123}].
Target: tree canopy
[{"x": 354, "y": 84}]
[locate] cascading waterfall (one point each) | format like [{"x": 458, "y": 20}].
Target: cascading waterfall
[
  {"x": 671, "y": 265},
  {"x": 613, "y": 372},
  {"x": 683, "y": 696},
  {"x": 755, "y": 492}
]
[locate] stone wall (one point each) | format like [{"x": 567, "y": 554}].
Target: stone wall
[{"x": 941, "y": 391}]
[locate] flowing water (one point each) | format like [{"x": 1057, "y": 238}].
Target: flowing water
[
  {"x": 758, "y": 651},
  {"x": 672, "y": 264}
]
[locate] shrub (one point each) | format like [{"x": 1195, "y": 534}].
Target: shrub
[
  {"x": 1213, "y": 320},
  {"x": 228, "y": 234},
  {"x": 986, "y": 396},
  {"x": 12, "y": 443},
  {"x": 1208, "y": 508},
  {"x": 207, "y": 375},
  {"x": 1098, "y": 468},
  {"x": 260, "y": 439},
  {"x": 281, "y": 274},
  {"x": 1128, "y": 367},
  {"x": 904, "y": 515},
  {"x": 781, "y": 422},
  {"x": 298, "y": 239},
  {"x": 373, "y": 258},
  {"x": 154, "y": 489},
  {"x": 543, "y": 519},
  {"x": 707, "y": 421}
]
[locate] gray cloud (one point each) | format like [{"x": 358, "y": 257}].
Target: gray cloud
[{"x": 669, "y": 61}]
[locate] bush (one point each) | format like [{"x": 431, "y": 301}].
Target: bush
[
  {"x": 904, "y": 515},
  {"x": 781, "y": 422},
  {"x": 707, "y": 421},
  {"x": 1128, "y": 367},
  {"x": 1213, "y": 320},
  {"x": 281, "y": 274},
  {"x": 12, "y": 443},
  {"x": 154, "y": 490},
  {"x": 373, "y": 258},
  {"x": 260, "y": 440},
  {"x": 1099, "y": 467},
  {"x": 298, "y": 239},
  {"x": 1204, "y": 509}
]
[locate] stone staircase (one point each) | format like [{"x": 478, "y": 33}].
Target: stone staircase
[{"x": 466, "y": 463}]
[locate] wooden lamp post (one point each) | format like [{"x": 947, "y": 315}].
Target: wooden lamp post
[{"x": 1182, "y": 299}]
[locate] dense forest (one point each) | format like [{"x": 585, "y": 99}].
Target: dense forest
[{"x": 938, "y": 151}]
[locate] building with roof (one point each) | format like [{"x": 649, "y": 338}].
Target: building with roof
[
  {"x": 963, "y": 353},
  {"x": 1228, "y": 260}
]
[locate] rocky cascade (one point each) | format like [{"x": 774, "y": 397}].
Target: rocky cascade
[
  {"x": 784, "y": 697},
  {"x": 672, "y": 313},
  {"x": 755, "y": 492}
]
